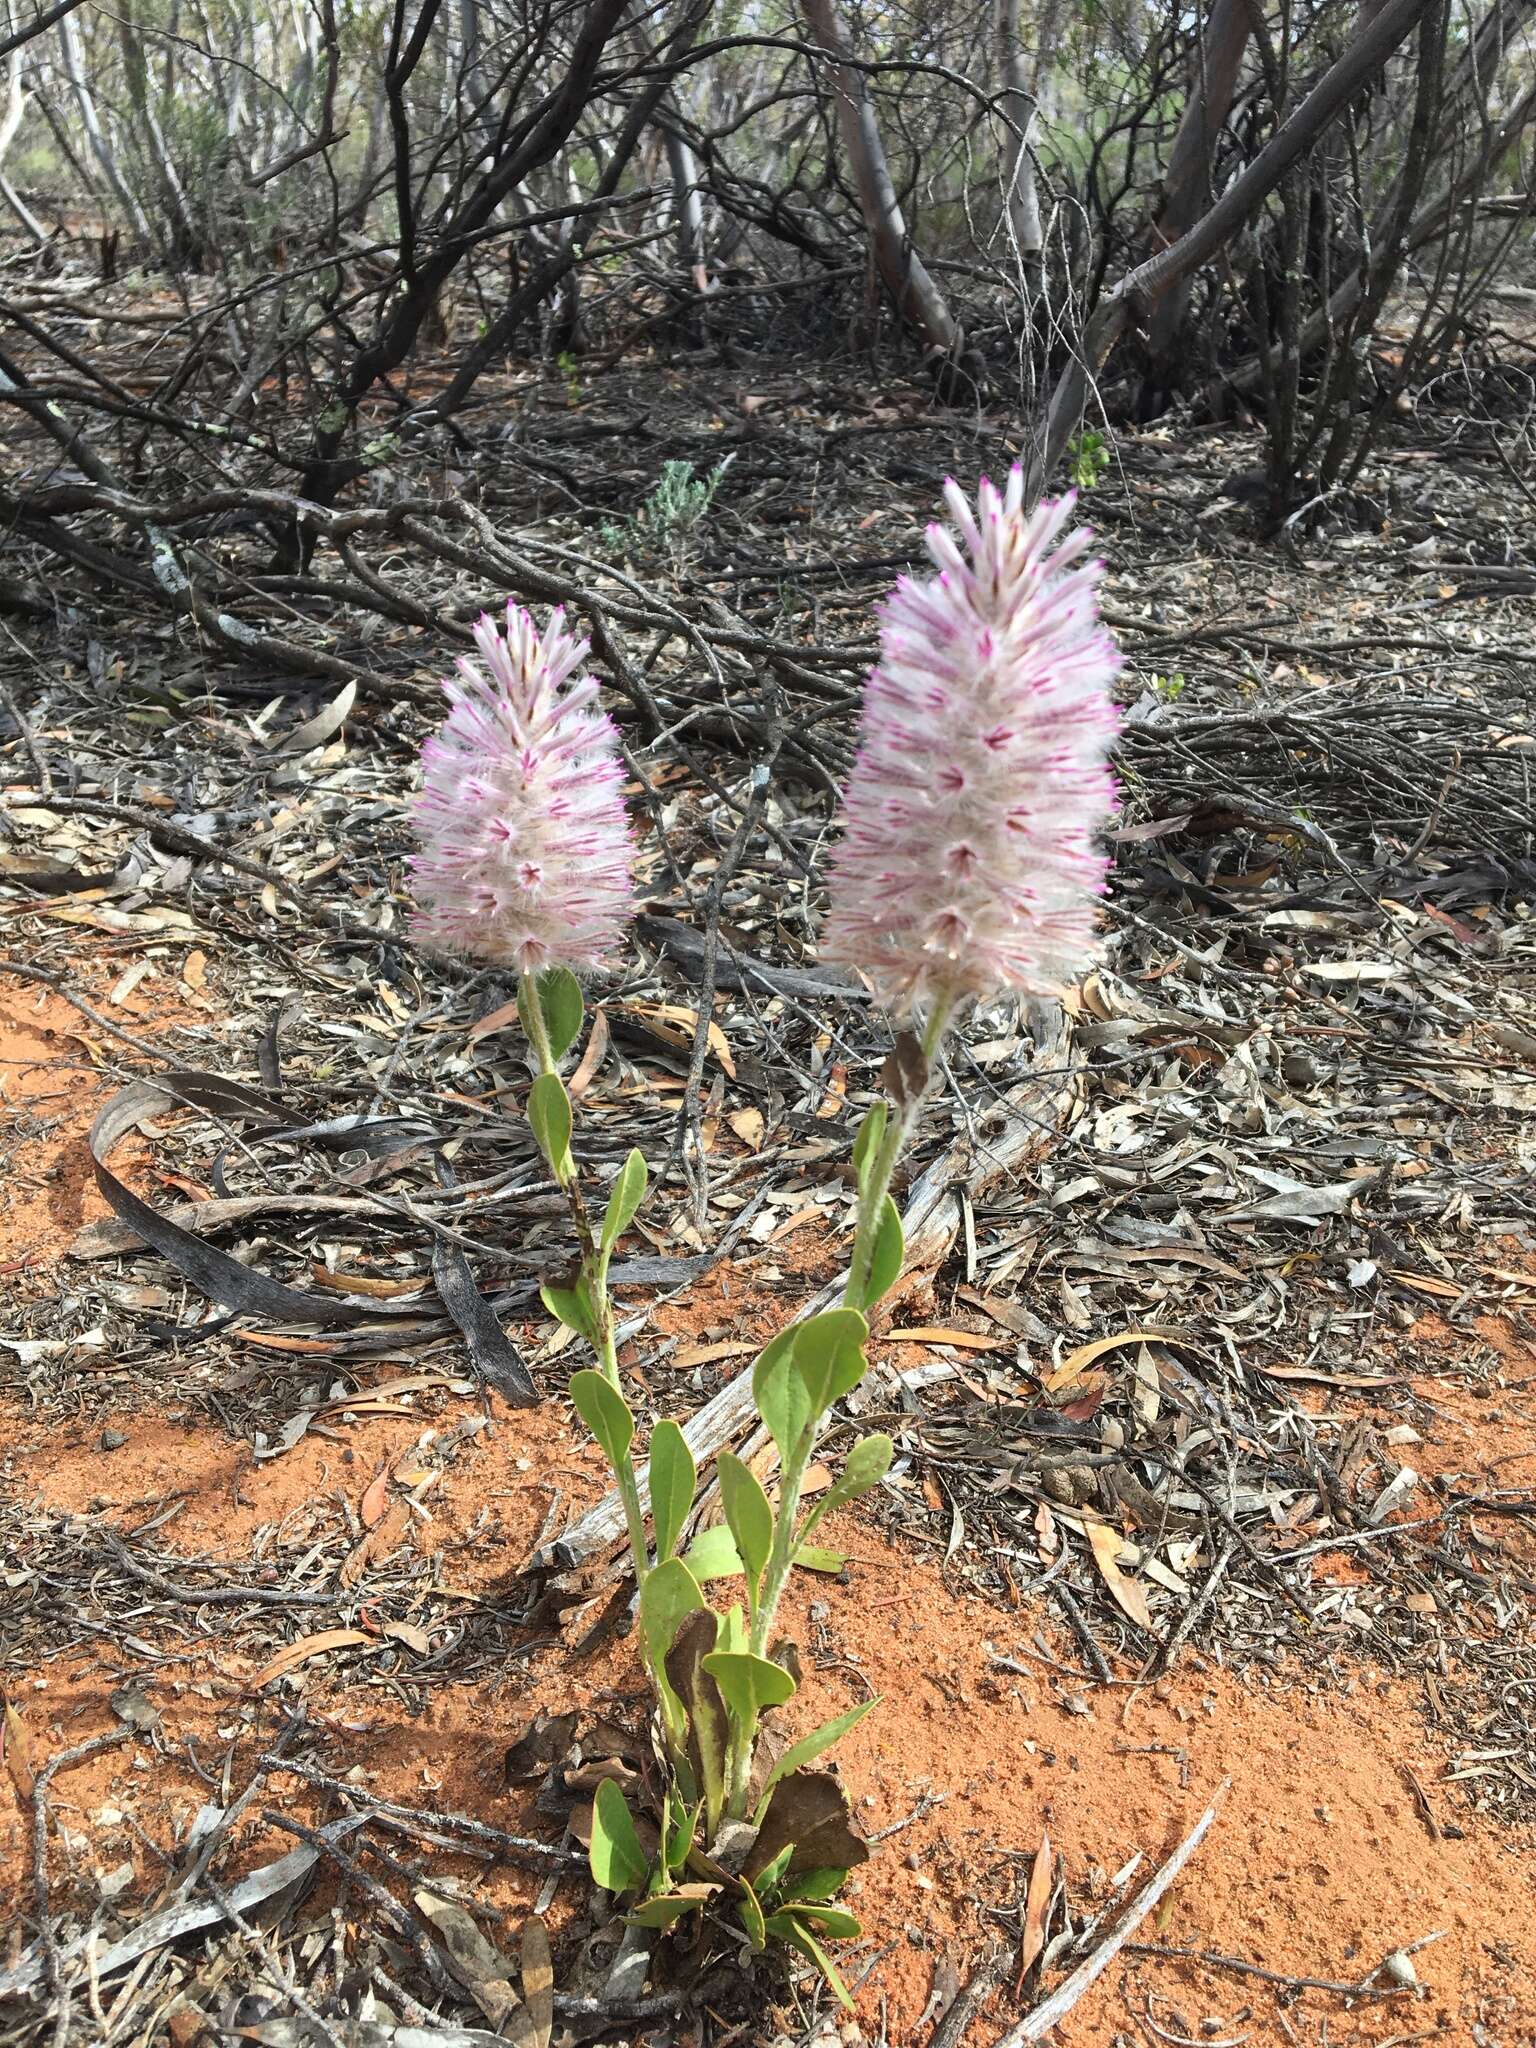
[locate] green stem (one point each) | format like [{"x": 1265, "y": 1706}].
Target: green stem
[
  {"x": 882, "y": 1169},
  {"x": 531, "y": 1015},
  {"x": 786, "y": 1537},
  {"x": 624, "y": 1472},
  {"x": 782, "y": 1555},
  {"x": 594, "y": 1274}
]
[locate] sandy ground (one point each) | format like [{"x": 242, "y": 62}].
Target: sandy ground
[{"x": 1339, "y": 1841}]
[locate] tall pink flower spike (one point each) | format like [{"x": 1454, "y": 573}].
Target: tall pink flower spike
[
  {"x": 526, "y": 847},
  {"x": 970, "y": 860}
]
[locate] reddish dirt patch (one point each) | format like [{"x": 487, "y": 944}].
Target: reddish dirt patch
[
  {"x": 1321, "y": 1863},
  {"x": 51, "y": 1086},
  {"x": 491, "y": 1492},
  {"x": 1478, "y": 1434}
]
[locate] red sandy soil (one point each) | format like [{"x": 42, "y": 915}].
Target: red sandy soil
[
  {"x": 1321, "y": 1862},
  {"x": 51, "y": 1085}
]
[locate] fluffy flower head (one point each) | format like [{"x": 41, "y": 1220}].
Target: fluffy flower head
[
  {"x": 526, "y": 847},
  {"x": 970, "y": 860}
]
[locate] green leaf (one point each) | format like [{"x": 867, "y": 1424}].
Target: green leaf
[
  {"x": 814, "y": 1884},
  {"x": 680, "y": 1823},
  {"x": 560, "y": 1000},
  {"x": 624, "y": 1198},
  {"x": 867, "y": 1143},
  {"x": 670, "y": 1594},
  {"x": 829, "y": 1355},
  {"x": 748, "y": 1684},
  {"x": 812, "y": 1558},
  {"x": 667, "y": 1908},
  {"x": 617, "y": 1860},
  {"x": 748, "y": 1514},
  {"x": 866, "y": 1465},
  {"x": 779, "y": 1393},
  {"x": 771, "y": 1873},
  {"x": 834, "y": 1920},
  {"x": 707, "y": 1733},
  {"x": 569, "y": 1306},
  {"x": 809, "y": 1747},
  {"x": 890, "y": 1252},
  {"x": 794, "y": 1931},
  {"x": 733, "y": 1629},
  {"x": 549, "y": 1117},
  {"x": 750, "y": 1913},
  {"x": 713, "y": 1555},
  {"x": 604, "y": 1412},
  {"x": 672, "y": 1480}
]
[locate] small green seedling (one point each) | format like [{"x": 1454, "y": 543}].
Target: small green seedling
[{"x": 1087, "y": 459}]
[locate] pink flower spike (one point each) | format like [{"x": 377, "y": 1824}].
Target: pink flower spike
[
  {"x": 970, "y": 858},
  {"x": 526, "y": 848}
]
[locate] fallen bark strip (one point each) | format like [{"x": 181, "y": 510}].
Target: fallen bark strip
[
  {"x": 931, "y": 1222},
  {"x": 1053, "y": 2010}
]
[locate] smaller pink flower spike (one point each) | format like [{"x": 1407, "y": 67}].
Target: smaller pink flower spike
[
  {"x": 970, "y": 859},
  {"x": 526, "y": 847}
]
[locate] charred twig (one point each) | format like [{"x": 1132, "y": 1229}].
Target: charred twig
[
  {"x": 1207, "y": 1960},
  {"x": 543, "y": 1854},
  {"x": 1085, "y": 1636}
]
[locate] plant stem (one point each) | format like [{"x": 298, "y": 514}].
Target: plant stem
[
  {"x": 782, "y": 1556},
  {"x": 530, "y": 1013},
  {"x": 594, "y": 1274},
  {"x": 624, "y": 1472},
  {"x": 786, "y": 1537},
  {"x": 882, "y": 1168}
]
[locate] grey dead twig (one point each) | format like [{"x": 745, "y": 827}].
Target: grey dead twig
[{"x": 1052, "y": 2010}]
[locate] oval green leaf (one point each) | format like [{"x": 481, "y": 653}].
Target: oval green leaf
[
  {"x": 829, "y": 1356},
  {"x": 778, "y": 1392},
  {"x": 672, "y": 1481},
  {"x": 749, "y": 1684},
  {"x": 560, "y": 1001},
  {"x": 617, "y": 1861},
  {"x": 549, "y": 1117},
  {"x": 867, "y": 1464},
  {"x": 603, "y": 1410},
  {"x": 713, "y": 1555},
  {"x": 624, "y": 1198},
  {"x": 667, "y": 1908},
  {"x": 748, "y": 1515},
  {"x": 570, "y": 1308},
  {"x": 670, "y": 1594},
  {"x": 812, "y": 1558}
]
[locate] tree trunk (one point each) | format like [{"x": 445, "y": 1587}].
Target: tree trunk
[
  {"x": 1024, "y": 70},
  {"x": 1020, "y": 104},
  {"x": 90, "y": 120},
  {"x": 919, "y": 302},
  {"x": 10, "y": 122},
  {"x": 687, "y": 207},
  {"x": 1140, "y": 289},
  {"x": 1187, "y": 184}
]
